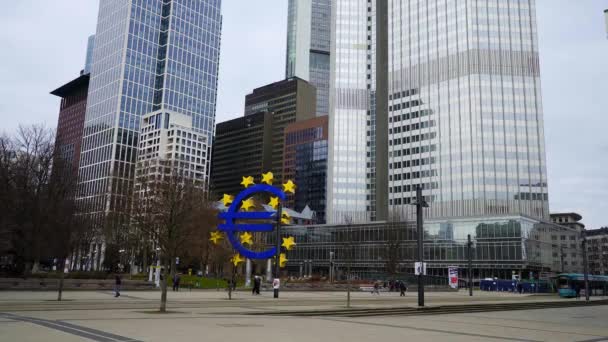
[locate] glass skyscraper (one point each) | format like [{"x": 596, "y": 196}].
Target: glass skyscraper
[
  {"x": 463, "y": 109},
  {"x": 149, "y": 55},
  {"x": 89, "y": 57},
  {"x": 308, "y": 46},
  {"x": 465, "y": 112},
  {"x": 357, "y": 132}
]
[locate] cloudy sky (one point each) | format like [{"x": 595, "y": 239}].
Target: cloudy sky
[{"x": 43, "y": 46}]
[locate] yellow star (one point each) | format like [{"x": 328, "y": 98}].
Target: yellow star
[
  {"x": 247, "y": 181},
  {"x": 237, "y": 259},
  {"x": 288, "y": 243},
  {"x": 282, "y": 260},
  {"x": 215, "y": 237},
  {"x": 289, "y": 187},
  {"x": 267, "y": 178},
  {"x": 247, "y": 204},
  {"x": 274, "y": 202},
  {"x": 246, "y": 239},
  {"x": 285, "y": 219},
  {"x": 227, "y": 200}
]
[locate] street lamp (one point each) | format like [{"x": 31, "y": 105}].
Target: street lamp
[
  {"x": 470, "y": 262},
  {"x": 585, "y": 265},
  {"x": 277, "y": 265},
  {"x": 420, "y": 203},
  {"x": 331, "y": 267}
]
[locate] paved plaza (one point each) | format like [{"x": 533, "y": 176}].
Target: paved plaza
[{"x": 209, "y": 316}]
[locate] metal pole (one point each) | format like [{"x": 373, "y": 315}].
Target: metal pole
[
  {"x": 585, "y": 266},
  {"x": 470, "y": 257},
  {"x": 420, "y": 228},
  {"x": 277, "y": 261},
  {"x": 562, "y": 257}
]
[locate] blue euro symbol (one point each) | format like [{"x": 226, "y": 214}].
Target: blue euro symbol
[{"x": 232, "y": 229}]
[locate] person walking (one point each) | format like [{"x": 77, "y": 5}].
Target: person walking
[
  {"x": 376, "y": 288},
  {"x": 577, "y": 289},
  {"x": 176, "y": 280},
  {"x": 257, "y": 283},
  {"x": 117, "y": 283},
  {"x": 402, "y": 288}
]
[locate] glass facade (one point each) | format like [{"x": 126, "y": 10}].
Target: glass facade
[
  {"x": 149, "y": 55},
  {"x": 466, "y": 118},
  {"x": 349, "y": 102},
  {"x": 305, "y": 162},
  {"x": 89, "y": 58},
  {"x": 308, "y": 46},
  {"x": 502, "y": 246}
]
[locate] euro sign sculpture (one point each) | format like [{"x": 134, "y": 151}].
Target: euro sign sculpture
[{"x": 232, "y": 229}]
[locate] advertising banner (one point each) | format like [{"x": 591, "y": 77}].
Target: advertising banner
[{"x": 453, "y": 276}]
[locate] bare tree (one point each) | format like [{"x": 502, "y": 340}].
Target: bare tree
[
  {"x": 178, "y": 208},
  {"x": 391, "y": 251}
]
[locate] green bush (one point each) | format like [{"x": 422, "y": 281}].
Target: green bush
[
  {"x": 72, "y": 275},
  {"x": 205, "y": 283}
]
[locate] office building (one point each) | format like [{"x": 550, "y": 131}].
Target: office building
[
  {"x": 148, "y": 56},
  {"x": 168, "y": 143},
  {"x": 70, "y": 125},
  {"x": 308, "y": 46},
  {"x": 357, "y": 184},
  {"x": 288, "y": 101},
  {"x": 89, "y": 57},
  {"x": 305, "y": 162},
  {"x": 464, "y": 110},
  {"x": 597, "y": 250},
  {"x": 242, "y": 147},
  {"x": 502, "y": 247},
  {"x": 569, "y": 241}
]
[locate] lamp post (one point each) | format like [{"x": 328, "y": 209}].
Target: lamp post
[
  {"x": 277, "y": 260},
  {"x": 470, "y": 262},
  {"x": 585, "y": 265},
  {"x": 331, "y": 267},
  {"x": 561, "y": 249},
  {"x": 420, "y": 203}
]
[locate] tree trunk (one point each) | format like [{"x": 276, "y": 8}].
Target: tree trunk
[
  {"x": 230, "y": 282},
  {"x": 61, "y": 277},
  {"x": 35, "y": 267},
  {"x": 145, "y": 257},
  {"x": 163, "y": 291}
]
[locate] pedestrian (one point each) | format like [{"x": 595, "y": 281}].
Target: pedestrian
[
  {"x": 257, "y": 281},
  {"x": 117, "y": 283},
  {"x": 402, "y": 288},
  {"x": 176, "y": 280},
  {"x": 254, "y": 289},
  {"x": 376, "y": 288},
  {"x": 577, "y": 289}
]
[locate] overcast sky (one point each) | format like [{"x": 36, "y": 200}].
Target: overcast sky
[{"x": 43, "y": 46}]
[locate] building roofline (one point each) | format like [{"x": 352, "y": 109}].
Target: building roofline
[
  {"x": 68, "y": 88},
  {"x": 577, "y": 216}
]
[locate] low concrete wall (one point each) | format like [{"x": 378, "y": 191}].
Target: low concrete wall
[
  {"x": 71, "y": 284},
  {"x": 354, "y": 287}
]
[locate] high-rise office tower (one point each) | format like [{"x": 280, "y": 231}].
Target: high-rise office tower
[
  {"x": 466, "y": 119},
  {"x": 357, "y": 157},
  {"x": 464, "y": 111},
  {"x": 308, "y": 46},
  {"x": 242, "y": 147},
  {"x": 89, "y": 57},
  {"x": 288, "y": 101},
  {"x": 305, "y": 162},
  {"x": 149, "y": 56},
  {"x": 70, "y": 123}
]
